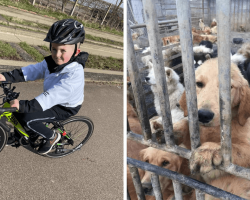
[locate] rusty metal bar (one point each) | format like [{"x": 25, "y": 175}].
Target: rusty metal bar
[
  {"x": 156, "y": 186},
  {"x": 224, "y": 62},
  {"x": 177, "y": 190},
  {"x": 159, "y": 23},
  {"x": 157, "y": 58},
  {"x": 185, "y": 153},
  {"x": 216, "y": 192},
  {"x": 128, "y": 197},
  {"x": 199, "y": 195},
  {"x": 137, "y": 182},
  {"x": 137, "y": 87},
  {"x": 183, "y": 14}
]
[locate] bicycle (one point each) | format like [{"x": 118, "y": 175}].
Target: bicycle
[{"x": 68, "y": 128}]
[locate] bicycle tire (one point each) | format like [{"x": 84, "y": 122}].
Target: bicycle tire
[
  {"x": 3, "y": 138},
  {"x": 69, "y": 125}
]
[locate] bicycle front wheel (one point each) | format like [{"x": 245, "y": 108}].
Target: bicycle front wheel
[
  {"x": 78, "y": 131},
  {"x": 3, "y": 138}
]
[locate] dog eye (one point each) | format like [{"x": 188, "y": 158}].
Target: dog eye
[
  {"x": 165, "y": 163},
  {"x": 199, "y": 84}
]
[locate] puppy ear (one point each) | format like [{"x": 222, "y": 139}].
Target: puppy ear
[
  {"x": 183, "y": 104},
  {"x": 169, "y": 74},
  {"x": 244, "y": 107}
]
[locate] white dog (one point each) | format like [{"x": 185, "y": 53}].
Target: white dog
[{"x": 175, "y": 90}]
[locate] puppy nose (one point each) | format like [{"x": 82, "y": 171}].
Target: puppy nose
[
  {"x": 205, "y": 116},
  {"x": 147, "y": 78},
  {"x": 147, "y": 187}
]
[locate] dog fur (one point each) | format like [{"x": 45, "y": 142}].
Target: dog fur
[
  {"x": 201, "y": 24},
  {"x": 198, "y": 38},
  {"x": 213, "y": 23},
  {"x": 175, "y": 88},
  {"x": 208, "y": 154},
  {"x": 170, "y": 40},
  {"x": 166, "y": 160},
  {"x": 214, "y": 30},
  {"x": 242, "y": 54}
]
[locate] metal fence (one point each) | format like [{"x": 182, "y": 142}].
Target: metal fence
[{"x": 184, "y": 23}]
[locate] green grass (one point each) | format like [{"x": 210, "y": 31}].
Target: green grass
[
  {"x": 42, "y": 26},
  {"x": 32, "y": 51},
  {"x": 105, "y": 63},
  {"x": 26, "y": 5},
  {"x": 99, "y": 39},
  {"x": 45, "y": 48},
  {"x": 7, "y": 51}
]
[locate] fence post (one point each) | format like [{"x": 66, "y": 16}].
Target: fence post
[
  {"x": 183, "y": 13},
  {"x": 157, "y": 58},
  {"x": 224, "y": 63}
]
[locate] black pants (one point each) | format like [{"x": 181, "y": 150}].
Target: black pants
[{"x": 34, "y": 121}]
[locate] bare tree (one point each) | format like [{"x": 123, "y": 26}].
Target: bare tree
[
  {"x": 73, "y": 9},
  {"x": 64, "y": 3},
  {"x": 114, "y": 13}
]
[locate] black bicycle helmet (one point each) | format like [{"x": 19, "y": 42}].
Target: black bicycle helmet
[{"x": 66, "y": 31}]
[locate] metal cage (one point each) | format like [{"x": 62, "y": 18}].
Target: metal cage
[{"x": 184, "y": 24}]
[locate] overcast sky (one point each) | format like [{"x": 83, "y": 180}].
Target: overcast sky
[{"x": 113, "y": 2}]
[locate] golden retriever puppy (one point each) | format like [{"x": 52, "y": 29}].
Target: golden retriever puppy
[
  {"x": 207, "y": 30},
  {"x": 197, "y": 31},
  {"x": 208, "y": 154},
  {"x": 198, "y": 38},
  {"x": 166, "y": 160},
  {"x": 211, "y": 38},
  {"x": 170, "y": 40}
]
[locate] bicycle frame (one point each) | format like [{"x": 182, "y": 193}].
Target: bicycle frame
[{"x": 11, "y": 118}]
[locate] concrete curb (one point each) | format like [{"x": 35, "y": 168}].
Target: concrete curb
[{"x": 90, "y": 74}]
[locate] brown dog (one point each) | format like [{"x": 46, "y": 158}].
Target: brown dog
[
  {"x": 208, "y": 154},
  {"x": 170, "y": 40},
  {"x": 166, "y": 160}
]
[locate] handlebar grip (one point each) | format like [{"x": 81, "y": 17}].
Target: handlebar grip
[{"x": 14, "y": 109}]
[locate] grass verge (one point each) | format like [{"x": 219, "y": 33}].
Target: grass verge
[
  {"x": 44, "y": 27},
  {"x": 8, "y": 52},
  {"x": 32, "y": 51},
  {"x": 105, "y": 63},
  {"x": 94, "y": 61},
  {"x": 26, "y": 5}
]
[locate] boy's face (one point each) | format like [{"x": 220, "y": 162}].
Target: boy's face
[{"x": 61, "y": 53}]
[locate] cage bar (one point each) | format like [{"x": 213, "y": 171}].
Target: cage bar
[
  {"x": 177, "y": 190},
  {"x": 216, "y": 192},
  {"x": 137, "y": 182},
  {"x": 183, "y": 13},
  {"x": 224, "y": 63},
  {"x": 157, "y": 58},
  {"x": 156, "y": 186},
  {"x": 137, "y": 88}
]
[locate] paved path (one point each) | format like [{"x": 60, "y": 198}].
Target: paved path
[
  {"x": 48, "y": 21},
  {"x": 16, "y": 35},
  {"x": 95, "y": 172}
]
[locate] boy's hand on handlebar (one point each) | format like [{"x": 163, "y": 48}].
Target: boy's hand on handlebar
[
  {"x": 2, "y": 78},
  {"x": 15, "y": 103}
]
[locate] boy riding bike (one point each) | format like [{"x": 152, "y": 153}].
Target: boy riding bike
[{"x": 63, "y": 74}]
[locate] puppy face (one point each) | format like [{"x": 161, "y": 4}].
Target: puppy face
[
  {"x": 170, "y": 75},
  {"x": 207, "y": 89},
  {"x": 162, "y": 159}
]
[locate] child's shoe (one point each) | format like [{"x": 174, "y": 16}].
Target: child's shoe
[{"x": 49, "y": 143}]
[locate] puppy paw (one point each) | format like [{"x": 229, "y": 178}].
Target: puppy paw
[{"x": 205, "y": 158}]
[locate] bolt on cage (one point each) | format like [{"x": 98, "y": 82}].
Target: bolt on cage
[{"x": 183, "y": 13}]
